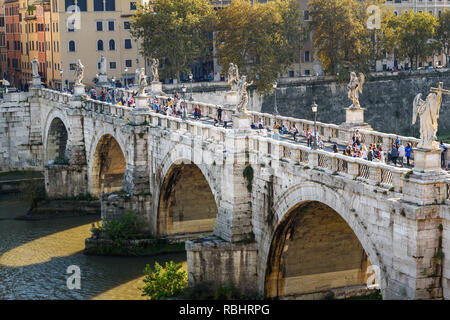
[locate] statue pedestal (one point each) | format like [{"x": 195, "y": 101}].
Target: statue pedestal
[
  {"x": 354, "y": 118},
  {"x": 231, "y": 98},
  {"x": 78, "y": 89},
  {"x": 36, "y": 83},
  {"x": 354, "y": 115},
  {"x": 156, "y": 87},
  {"x": 140, "y": 110},
  {"x": 427, "y": 161},
  {"x": 141, "y": 102},
  {"x": 241, "y": 121},
  {"x": 102, "y": 79}
]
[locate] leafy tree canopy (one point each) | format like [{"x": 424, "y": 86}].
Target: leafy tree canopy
[
  {"x": 175, "y": 31},
  {"x": 262, "y": 39}
]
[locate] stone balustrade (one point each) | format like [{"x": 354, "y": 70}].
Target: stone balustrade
[{"x": 375, "y": 173}]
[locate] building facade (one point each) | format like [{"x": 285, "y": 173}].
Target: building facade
[{"x": 88, "y": 29}]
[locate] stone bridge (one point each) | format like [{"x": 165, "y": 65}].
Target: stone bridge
[{"x": 271, "y": 216}]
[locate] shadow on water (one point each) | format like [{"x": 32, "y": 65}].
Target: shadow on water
[
  {"x": 99, "y": 277},
  {"x": 35, "y": 255}
]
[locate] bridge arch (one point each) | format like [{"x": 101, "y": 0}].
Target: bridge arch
[
  {"x": 57, "y": 134},
  {"x": 187, "y": 200},
  {"x": 317, "y": 244},
  {"x": 107, "y": 163}
]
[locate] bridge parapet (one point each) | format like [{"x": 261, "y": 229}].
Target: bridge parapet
[{"x": 375, "y": 173}]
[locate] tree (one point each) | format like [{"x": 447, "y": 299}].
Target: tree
[
  {"x": 175, "y": 31},
  {"x": 341, "y": 35},
  {"x": 161, "y": 283},
  {"x": 415, "y": 32},
  {"x": 443, "y": 33},
  {"x": 262, "y": 39}
]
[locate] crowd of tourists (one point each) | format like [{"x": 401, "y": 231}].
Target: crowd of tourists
[{"x": 399, "y": 154}]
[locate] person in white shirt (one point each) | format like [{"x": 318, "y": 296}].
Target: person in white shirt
[{"x": 401, "y": 154}]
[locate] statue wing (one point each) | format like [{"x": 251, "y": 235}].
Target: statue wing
[
  {"x": 418, "y": 102},
  {"x": 362, "y": 78}
]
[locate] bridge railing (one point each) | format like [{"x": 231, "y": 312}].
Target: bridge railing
[
  {"x": 107, "y": 108},
  {"x": 328, "y": 131},
  {"x": 53, "y": 95},
  {"x": 206, "y": 132},
  {"x": 376, "y": 173}
]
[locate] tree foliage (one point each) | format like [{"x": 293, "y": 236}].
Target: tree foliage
[
  {"x": 177, "y": 32},
  {"x": 161, "y": 283},
  {"x": 443, "y": 31},
  {"x": 415, "y": 32},
  {"x": 262, "y": 39},
  {"x": 342, "y": 38}
]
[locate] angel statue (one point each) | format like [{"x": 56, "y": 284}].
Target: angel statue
[
  {"x": 428, "y": 112},
  {"x": 233, "y": 76},
  {"x": 141, "y": 81},
  {"x": 355, "y": 88},
  {"x": 79, "y": 72},
  {"x": 35, "y": 67},
  {"x": 155, "y": 65},
  {"x": 242, "y": 90},
  {"x": 102, "y": 65}
]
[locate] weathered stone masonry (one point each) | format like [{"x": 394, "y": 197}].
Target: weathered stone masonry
[{"x": 305, "y": 223}]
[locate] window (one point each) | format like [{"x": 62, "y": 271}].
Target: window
[
  {"x": 306, "y": 15},
  {"x": 126, "y": 25},
  {"x": 112, "y": 45},
  {"x": 306, "y": 56},
  {"x": 100, "y": 45},
  {"x": 99, "y": 25},
  {"x": 128, "y": 63},
  {"x": 98, "y": 5},
  {"x": 132, "y": 5},
  {"x": 291, "y": 73},
  {"x": 127, "y": 43},
  {"x": 307, "y": 73},
  {"x": 110, "y": 5},
  {"x": 111, "y": 25},
  {"x": 112, "y": 65},
  {"x": 71, "y": 46},
  {"x": 72, "y": 66},
  {"x": 69, "y": 3}
]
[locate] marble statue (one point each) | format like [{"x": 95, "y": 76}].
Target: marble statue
[
  {"x": 35, "y": 67},
  {"x": 79, "y": 72},
  {"x": 233, "y": 76},
  {"x": 102, "y": 65},
  {"x": 155, "y": 74},
  {"x": 355, "y": 88},
  {"x": 242, "y": 85},
  {"x": 428, "y": 112},
  {"x": 141, "y": 81}
]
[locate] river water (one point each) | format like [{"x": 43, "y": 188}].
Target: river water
[{"x": 35, "y": 255}]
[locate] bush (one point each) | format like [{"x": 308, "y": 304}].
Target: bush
[
  {"x": 122, "y": 229},
  {"x": 162, "y": 283}
]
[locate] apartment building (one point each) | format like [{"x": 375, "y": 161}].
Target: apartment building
[
  {"x": 88, "y": 29},
  {"x": 13, "y": 41},
  {"x": 434, "y": 7},
  {"x": 3, "y": 50}
]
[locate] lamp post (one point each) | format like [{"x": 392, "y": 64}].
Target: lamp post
[
  {"x": 125, "y": 79},
  {"x": 275, "y": 109},
  {"x": 191, "y": 77},
  {"x": 61, "y": 76},
  {"x": 183, "y": 89},
  {"x": 314, "y": 109}
]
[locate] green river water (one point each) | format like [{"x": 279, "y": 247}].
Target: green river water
[{"x": 35, "y": 255}]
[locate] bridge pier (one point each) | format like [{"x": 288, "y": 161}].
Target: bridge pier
[{"x": 67, "y": 174}]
